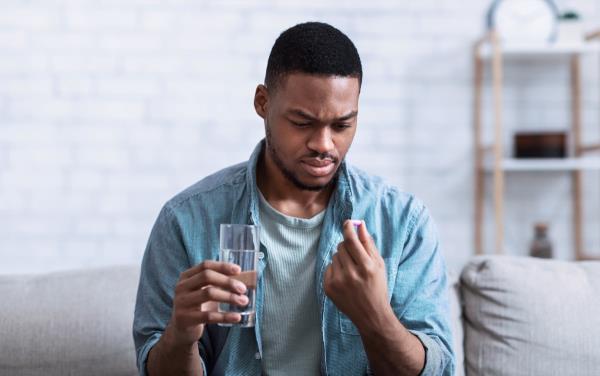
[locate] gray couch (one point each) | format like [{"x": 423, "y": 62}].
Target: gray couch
[{"x": 520, "y": 316}]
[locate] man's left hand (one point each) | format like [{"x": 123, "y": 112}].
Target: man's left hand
[{"x": 356, "y": 280}]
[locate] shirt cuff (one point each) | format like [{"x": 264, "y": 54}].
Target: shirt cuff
[
  {"x": 143, "y": 357},
  {"x": 143, "y": 354},
  {"x": 434, "y": 362}
]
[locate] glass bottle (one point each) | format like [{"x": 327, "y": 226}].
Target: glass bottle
[{"x": 541, "y": 246}]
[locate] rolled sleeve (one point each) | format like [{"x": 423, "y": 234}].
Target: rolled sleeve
[
  {"x": 143, "y": 352},
  {"x": 421, "y": 294},
  {"x": 436, "y": 361}
]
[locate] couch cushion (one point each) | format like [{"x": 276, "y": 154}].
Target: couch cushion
[
  {"x": 68, "y": 323},
  {"x": 527, "y": 316}
]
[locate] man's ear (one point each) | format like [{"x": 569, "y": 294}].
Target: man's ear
[{"x": 261, "y": 99}]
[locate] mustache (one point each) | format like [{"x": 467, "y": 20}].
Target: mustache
[{"x": 322, "y": 156}]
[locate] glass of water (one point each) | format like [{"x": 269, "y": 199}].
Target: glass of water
[{"x": 240, "y": 245}]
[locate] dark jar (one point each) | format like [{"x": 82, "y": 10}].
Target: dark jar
[{"x": 541, "y": 246}]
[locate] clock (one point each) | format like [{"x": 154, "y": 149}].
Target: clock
[{"x": 524, "y": 21}]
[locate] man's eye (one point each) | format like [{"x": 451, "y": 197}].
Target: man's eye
[
  {"x": 342, "y": 126},
  {"x": 300, "y": 125}
]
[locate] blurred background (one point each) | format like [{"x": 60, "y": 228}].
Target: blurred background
[{"x": 110, "y": 107}]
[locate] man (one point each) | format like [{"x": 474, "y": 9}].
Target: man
[{"x": 330, "y": 299}]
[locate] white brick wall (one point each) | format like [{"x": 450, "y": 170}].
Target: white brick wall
[{"x": 108, "y": 108}]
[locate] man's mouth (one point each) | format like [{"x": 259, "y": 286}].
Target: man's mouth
[{"x": 318, "y": 167}]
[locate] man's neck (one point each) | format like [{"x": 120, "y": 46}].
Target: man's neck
[{"x": 284, "y": 196}]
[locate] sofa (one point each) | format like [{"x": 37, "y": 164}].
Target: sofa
[{"x": 510, "y": 316}]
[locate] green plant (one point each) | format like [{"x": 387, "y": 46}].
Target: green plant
[{"x": 569, "y": 15}]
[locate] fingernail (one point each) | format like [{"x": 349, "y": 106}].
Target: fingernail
[
  {"x": 239, "y": 286},
  {"x": 356, "y": 223},
  {"x": 235, "y": 268},
  {"x": 243, "y": 299}
]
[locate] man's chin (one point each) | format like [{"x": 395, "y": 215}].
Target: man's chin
[
  {"x": 314, "y": 183},
  {"x": 313, "y": 187}
]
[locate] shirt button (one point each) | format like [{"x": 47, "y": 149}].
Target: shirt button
[{"x": 257, "y": 356}]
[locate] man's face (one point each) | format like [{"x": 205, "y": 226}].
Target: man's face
[{"x": 310, "y": 123}]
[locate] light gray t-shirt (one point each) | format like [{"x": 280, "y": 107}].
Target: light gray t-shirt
[{"x": 290, "y": 323}]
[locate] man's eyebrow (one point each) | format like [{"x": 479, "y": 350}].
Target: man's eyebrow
[
  {"x": 348, "y": 116},
  {"x": 302, "y": 114},
  {"x": 312, "y": 118}
]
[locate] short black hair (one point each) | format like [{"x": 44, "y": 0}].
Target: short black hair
[{"x": 314, "y": 48}]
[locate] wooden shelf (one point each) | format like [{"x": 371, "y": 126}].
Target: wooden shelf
[
  {"x": 591, "y": 257},
  {"x": 545, "y": 164},
  {"x": 548, "y": 50}
]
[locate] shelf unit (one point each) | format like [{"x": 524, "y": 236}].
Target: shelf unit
[{"x": 492, "y": 160}]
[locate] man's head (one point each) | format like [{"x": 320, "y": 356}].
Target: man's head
[{"x": 310, "y": 103}]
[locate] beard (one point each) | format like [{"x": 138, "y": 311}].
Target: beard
[{"x": 291, "y": 175}]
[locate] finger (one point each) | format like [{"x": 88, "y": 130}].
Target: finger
[
  {"x": 353, "y": 245},
  {"x": 215, "y": 294},
  {"x": 335, "y": 261},
  {"x": 210, "y": 306},
  {"x": 210, "y": 277},
  {"x": 212, "y": 317},
  {"x": 212, "y": 294},
  {"x": 348, "y": 269},
  {"x": 218, "y": 266},
  {"x": 366, "y": 239},
  {"x": 342, "y": 257},
  {"x": 348, "y": 266}
]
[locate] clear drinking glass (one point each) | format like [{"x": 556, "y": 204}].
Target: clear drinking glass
[{"x": 240, "y": 245}]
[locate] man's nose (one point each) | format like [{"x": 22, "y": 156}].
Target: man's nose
[{"x": 321, "y": 140}]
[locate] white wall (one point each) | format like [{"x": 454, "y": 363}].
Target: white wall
[{"x": 108, "y": 108}]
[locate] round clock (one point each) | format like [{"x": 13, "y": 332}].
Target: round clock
[{"x": 524, "y": 21}]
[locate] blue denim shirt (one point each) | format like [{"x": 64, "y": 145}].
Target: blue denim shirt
[{"x": 187, "y": 232}]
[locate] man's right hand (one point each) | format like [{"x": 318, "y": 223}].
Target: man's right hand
[{"x": 198, "y": 293}]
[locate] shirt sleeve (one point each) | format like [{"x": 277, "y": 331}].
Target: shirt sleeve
[
  {"x": 423, "y": 305},
  {"x": 165, "y": 258}
]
